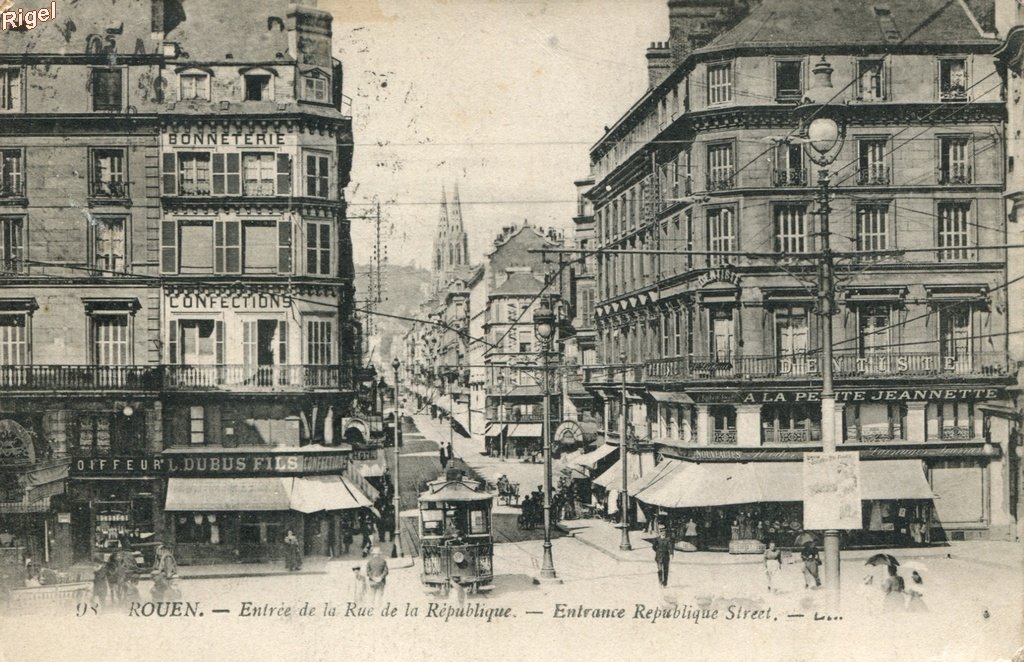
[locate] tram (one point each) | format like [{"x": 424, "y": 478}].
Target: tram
[{"x": 455, "y": 533}]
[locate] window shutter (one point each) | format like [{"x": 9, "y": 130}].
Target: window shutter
[
  {"x": 325, "y": 177},
  {"x": 219, "y": 174},
  {"x": 172, "y": 343},
  {"x": 226, "y": 247},
  {"x": 169, "y": 247},
  {"x": 282, "y": 343},
  {"x": 234, "y": 174},
  {"x": 170, "y": 174},
  {"x": 888, "y": 89},
  {"x": 284, "y": 174},
  {"x": 336, "y": 77},
  {"x": 284, "y": 247},
  {"x": 218, "y": 330}
]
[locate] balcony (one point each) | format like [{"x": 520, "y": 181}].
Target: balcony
[
  {"x": 79, "y": 378},
  {"x": 248, "y": 378},
  {"x": 953, "y": 92},
  {"x": 953, "y": 175},
  {"x": 613, "y": 374},
  {"x": 874, "y": 175},
  {"x": 845, "y": 365},
  {"x": 12, "y": 189},
  {"x": 789, "y": 177},
  {"x": 113, "y": 189},
  {"x": 791, "y": 436},
  {"x": 13, "y": 267},
  {"x": 724, "y": 437},
  {"x": 721, "y": 181}
]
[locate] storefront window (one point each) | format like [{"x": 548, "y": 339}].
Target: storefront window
[
  {"x": 790, "y": 423},
  {"x": 205, "y": 528},
  {"x": 723, "y": 418},
  {"x": 260, "y": 528}
]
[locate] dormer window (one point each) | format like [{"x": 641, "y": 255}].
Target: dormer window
[
  {"x": 194, "y": 85},
  {"x": 315, "y": 86},
  {"x": 259, "y": 84}
]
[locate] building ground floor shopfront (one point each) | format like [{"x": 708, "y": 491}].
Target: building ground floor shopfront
[
  {"x": 214, "y": 505},
  {"x": 910, "y": 495}
]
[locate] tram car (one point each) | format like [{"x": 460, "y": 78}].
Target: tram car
[{"x": 455, "y": 533}]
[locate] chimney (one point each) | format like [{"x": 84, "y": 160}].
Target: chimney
[
  {"x": 157, "y": 19},
  {"x": 694, "y": 23},
  {"x": 659, "y": 62}
]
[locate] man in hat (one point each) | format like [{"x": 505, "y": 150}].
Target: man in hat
[
  {"x": 376, "y": 574},
  {"x": 663, "y": 551}
]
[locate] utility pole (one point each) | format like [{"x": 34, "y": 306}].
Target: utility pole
[
  {"x": 828, "y": 395},
  {"x": 624, "y": 543}
]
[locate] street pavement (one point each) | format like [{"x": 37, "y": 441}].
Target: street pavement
[{"x": 972, "y": 591}]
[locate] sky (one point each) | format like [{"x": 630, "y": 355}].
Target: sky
[{"x": 502, "y": 97}]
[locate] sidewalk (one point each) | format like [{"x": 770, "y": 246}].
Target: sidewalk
[{"x": 605, "y": 537}]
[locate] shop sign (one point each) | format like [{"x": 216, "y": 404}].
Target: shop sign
[
  {"x": 365, "y": 454},
  {"x": 212, "y": 464},
  {"x": 719, "y": 275},
  {"x": 63, "y": 518},
  {"x": 832, "y": 491},
  {"x": 232, "y": 138},
  {"x": 216, "y": 301},
  {"x": 862, "y": 395}
]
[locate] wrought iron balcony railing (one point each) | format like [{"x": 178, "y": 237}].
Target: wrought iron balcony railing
[
  {"x": 79, "y": 377},
  {"x": 957, "y": 174},
  {"x": 789, "y": 177},
  {"x": 875, "y": 175},
  {"x": 253, "y": 378},
  {"x": 109, "y": 189},
  {"x": 12, "y": 189},
  {"x": 721, "y": 181}
]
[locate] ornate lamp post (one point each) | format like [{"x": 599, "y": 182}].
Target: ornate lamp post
[
  {"x": 544, "y": 326},
  {"x": 396, "y": 533},
  {"x": 624, "y": 544},
  {"x": 825, "y": 135}
]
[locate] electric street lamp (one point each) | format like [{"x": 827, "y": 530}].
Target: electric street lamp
[
  {"x": 500, "y": 380},
  {"x": 544, "y": 327},
  {"x": 624, "y": 544},
  {"x": 825, "y": 136},
  {"x": 396, "y": 533}
]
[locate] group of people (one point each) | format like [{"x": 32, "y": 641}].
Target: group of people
[
  {"x": 370, "y": 578},
  {"x": 532, "y": 507},
  {"x": 810, "y": 561},
  {"x": 116, "y": 581},
  {"x": 445, "y": 454}
]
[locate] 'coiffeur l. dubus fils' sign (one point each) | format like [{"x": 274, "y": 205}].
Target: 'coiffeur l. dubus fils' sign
[{"x": 212, "y": 464}]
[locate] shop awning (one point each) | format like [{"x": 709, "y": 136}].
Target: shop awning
[
  {"x": 654, "y": 476},
  {"x": 527, "y": 430},
  {"x": 720, "y": 484},
  {"x": 590, "y": 460},
  {"x": 313, "y": 494},
  {"x": 231, "y": 494},
  {"x": 666, "y": 396},
  {"x": 493, "y": 429},
  {"x": 638, "y": 467},
  {"x": 893, "y": 479}
]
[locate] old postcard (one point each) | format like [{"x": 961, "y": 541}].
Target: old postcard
[{"x": 511, "y": 329}]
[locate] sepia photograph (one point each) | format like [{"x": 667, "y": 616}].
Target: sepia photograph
[{"x": 512, "y": 329}]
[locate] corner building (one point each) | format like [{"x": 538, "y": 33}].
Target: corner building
[
  {"x": 177, "y": 283},
  {"x": 724, "y": 350}
]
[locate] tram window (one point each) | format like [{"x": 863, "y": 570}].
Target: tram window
[
  {"x": 432, "y": 522},
  {"x": 477, "y": 522}
]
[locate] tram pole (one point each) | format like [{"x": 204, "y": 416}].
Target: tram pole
[
  {"x": 396, "y": 534},
  {"x": 544, "y": 322}
]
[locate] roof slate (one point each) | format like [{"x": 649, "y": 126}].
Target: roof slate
[{"x": 832, "y": 23}]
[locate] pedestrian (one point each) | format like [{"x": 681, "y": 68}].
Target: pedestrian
[
  {"x": 893, "y": 589},
  {"x": 376, "y": 574},
  {"x": 99, "y": 585},
  {"x": 915, "y": 593},
  {"x": 690, "y": 532},
  {"x": 292, "y": 555},
  {"x": 165, "y": 574},
  {"x": 772, "y": 563},
  {"x": 663, "y": 551},
  {"x": 809, "y": 555},
  {"x": 346, "y": 534},
  {"x": 527, "y": 513},
  {"x": 443, "y": 456},
  {"x": 358, "y": 585},
  {"x": 451, "y": 452},
  {"x": 366, "y": 530}
]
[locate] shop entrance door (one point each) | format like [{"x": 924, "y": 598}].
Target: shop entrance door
[{"x": 81, "y": 531}]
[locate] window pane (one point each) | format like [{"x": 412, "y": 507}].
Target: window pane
[
  {"x": 260, "y": 254},
  {"x": 196, "y": 248}
]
